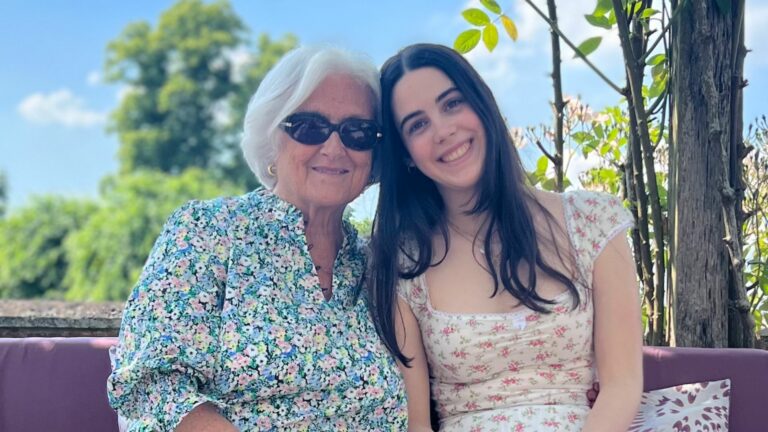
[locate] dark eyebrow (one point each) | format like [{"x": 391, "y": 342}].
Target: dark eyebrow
[{"x": 439, "y": 97}]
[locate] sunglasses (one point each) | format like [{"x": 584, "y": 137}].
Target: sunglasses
[{"x": 313, "y": 129}]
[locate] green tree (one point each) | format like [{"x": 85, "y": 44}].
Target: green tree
[
  {"x": 32, "y": 252},
  {"x": 3, "y": 193},
  {"x": 107, "y": 254},
  {"x": 178, "y": 74}
]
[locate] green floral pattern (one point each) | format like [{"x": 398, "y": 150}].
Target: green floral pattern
[{"x": 228, "y": 310}]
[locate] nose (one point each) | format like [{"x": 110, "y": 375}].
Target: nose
[
  {"x": 444, "y": 129},
  {"x": 333, "y": 145}
]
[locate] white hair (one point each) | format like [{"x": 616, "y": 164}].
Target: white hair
[{"x": 285, "y": 87}]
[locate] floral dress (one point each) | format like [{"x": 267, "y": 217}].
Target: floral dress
[
  {"x": 520, "y": 371},
  {"x": 228, "y": 310}
]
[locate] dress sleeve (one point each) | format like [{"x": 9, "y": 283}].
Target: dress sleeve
[
  {"x": 594, "y": 219},
  {"x": 164, "y": 360}
]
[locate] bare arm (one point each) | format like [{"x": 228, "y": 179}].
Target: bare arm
[
  {"x": 416, "y": 376},
  {"x": 618, "y": 339},
  {"x": 205, "y": 418}
]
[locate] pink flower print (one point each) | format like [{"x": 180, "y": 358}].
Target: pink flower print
[
  {"x": 595, "y": 246},
  {"x": 500, "y": 327},
  {"x": 560, "y": 331},
  {"x": 479, "y": 368},
  {"x": 486, "y": 345},
  {"x": 560, "y": 309},
  {"x": 549, "y": 376},
  {"x": 472, "y": 323},
  {"x": 471, "y": 406},
  {"x": 495, "y": 398},
  {"x": 540, "y": 357},
  {"x": 591, "y": 218},
  {"x": 264, "y": 423},
  {"x": 460, "y": 354},
  {"x": 532, "y": 317},
  {"x": 505, "y": 352},
  {"x": 510, "y": 381},
  {"x": 536, "y": 343},
  {"x": 572, "y": 417},
  {"x": 556, "y": 367},
  {"x": 519, "y": 427},
  {"x": 552, "y": 423},
  {"x": 447, "y": 331},
  {"x": 500, "y": 418},
  {"x": 591, "y": 202},
  {"x": 513, "y": 367}
]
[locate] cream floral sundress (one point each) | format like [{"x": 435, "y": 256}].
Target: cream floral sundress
[{"x": 520, "y": 371}]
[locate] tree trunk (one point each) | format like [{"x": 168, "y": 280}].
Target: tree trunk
[
  {"x": 706, "y": 256},
  {"x": 559, "y": 104}
]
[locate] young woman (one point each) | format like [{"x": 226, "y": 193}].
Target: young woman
[{"x": 509, "y": 302}]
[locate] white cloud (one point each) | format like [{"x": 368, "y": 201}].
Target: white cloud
[
  {"x": 239, "y": 58},
  {"x": 94, "y": 78},
  {"x": 60, "y": 107}
]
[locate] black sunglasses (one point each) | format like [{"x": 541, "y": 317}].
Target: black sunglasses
[{"x": 313, "y": 129}]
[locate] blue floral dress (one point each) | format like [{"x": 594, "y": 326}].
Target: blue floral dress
[{"x": 228, "y": 310}]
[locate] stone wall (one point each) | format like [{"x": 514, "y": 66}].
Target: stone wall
[{"x": 47, "y": 318}]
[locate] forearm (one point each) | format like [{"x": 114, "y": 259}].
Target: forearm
[
  {"x": 205, "y": 418},
  {"x": 615, "y": 407}
]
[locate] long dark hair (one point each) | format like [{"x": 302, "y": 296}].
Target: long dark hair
[{"x": 411, "y": 210}]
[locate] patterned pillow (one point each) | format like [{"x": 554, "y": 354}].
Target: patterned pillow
[{"x": 687, "y": 407}]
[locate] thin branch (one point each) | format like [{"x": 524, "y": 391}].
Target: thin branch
[{"x": 568, "y": 42}]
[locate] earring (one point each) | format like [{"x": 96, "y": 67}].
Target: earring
[
  {"x": 272, "y": 170},
  {"x": 410, "y": 165}
]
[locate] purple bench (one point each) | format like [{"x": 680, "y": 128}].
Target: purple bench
[{"x": 58, "y": 384}]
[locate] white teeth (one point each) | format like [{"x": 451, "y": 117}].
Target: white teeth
[
  {"x": 459, "y": 152},
  {"x": 325, "y": 170}
]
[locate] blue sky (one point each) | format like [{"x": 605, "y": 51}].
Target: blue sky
[{"x": 53, "y": 106}]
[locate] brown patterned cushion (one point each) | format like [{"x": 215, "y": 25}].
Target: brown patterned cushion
[{"x": 688, "y": 407}]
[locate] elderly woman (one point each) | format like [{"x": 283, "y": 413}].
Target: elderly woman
[{"x": 246, "y": 316}]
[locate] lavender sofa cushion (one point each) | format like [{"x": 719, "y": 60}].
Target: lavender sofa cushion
[
  {"x": 747, "y": 370},
  {"x": 55, "y": 384}
]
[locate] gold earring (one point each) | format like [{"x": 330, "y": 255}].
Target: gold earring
[{"x": 272, "y": 170}]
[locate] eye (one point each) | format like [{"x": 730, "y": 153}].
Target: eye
[
  {"x": 415, "y": 126},
  {"x": 454, "y": 103}
]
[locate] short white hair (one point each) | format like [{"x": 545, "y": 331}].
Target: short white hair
[{"x": 285, "y": 87}]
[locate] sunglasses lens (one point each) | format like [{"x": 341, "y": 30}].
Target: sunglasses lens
[
  {"x": 308, "y": 129},
  {"x": 359, "y": 134},
  {"x": 314, "y": 129}
]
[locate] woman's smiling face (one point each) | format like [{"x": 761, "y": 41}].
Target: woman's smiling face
[{"x": 442, "y": 133}]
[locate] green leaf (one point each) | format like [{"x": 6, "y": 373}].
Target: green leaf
[
  {"x": 724, "y": 6},
  {"x": 657, "y": 59},
  {"x": 476, "y": 17},
  {"x": 649, "y": 13},
  {"x": 542, "y": 164},
  {"x": 548, "y": 184},
  {"x": 598, "y": 21},
  {"x": 509, "y": 26},
  {"x": 491, "y": 6},
  {"x": 602, "y": 7},
  {"x": 467, "y": 40},
  {"x": 589, "y": 46},
  {"x": 490, "y": 37}
]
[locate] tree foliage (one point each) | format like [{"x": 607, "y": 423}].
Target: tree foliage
[
  {"x": 107, "y": 254},
  {"x": 178, "y": 73},
  {"x": 32, "y": 253},
  {"x": 188, "y": 82},
  {"x": 3, "y": 193}
]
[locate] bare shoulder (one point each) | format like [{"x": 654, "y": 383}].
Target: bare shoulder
[{"x": 552, "y": 202}]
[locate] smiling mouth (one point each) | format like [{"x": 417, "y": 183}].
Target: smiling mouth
[
  {"x": 330, "y": 171},
  {"x": 456, "y": 154}
]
